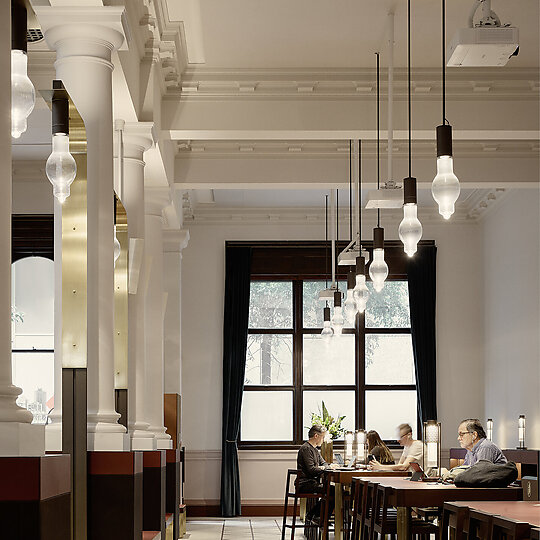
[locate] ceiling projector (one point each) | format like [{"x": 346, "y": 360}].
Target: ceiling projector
[
  {"x": 483, "y": 46},
  {"x": 487, "y": 43}
]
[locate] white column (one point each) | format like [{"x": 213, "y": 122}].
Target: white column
[
  {"x": 174, "y": 241},
  {"x": 155, "y": 201},
  {"x": 84, "y": 38},
  {"x": 17, "y": 435},
  {"x": 53, "y": 430},
  {"x": 137, "y": 138}
]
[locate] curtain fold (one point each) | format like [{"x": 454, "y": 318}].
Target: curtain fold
[
  {"x": 422, "y": 295},
  {"x": 235, "y": 327}
]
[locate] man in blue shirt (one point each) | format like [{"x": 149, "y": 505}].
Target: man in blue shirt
[{"x": 472, "y": 437}]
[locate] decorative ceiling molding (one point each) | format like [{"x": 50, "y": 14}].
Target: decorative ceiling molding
[
  {"x": 250, "y": 216},
  {"x": 335, "y": 149},
  {"x": 481, "y": 84},
  {"x": 483, "y": 201}
]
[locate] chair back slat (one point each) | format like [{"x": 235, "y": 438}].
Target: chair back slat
[{"x": 509, "y": 529}]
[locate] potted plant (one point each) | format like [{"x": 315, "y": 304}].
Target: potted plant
[{"x": 333, "y": 430}]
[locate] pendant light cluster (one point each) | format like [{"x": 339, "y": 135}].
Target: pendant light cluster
[
  {"x": 445, "y": 187},
  {"x": 60, "y": 168},
  {"x": 410, "y": 228},
  {"x": 23, "y": 94}
]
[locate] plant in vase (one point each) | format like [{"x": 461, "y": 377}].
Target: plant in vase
[{"x": 333, "y": 430}]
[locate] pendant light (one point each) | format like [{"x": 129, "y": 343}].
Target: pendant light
[
  {"x": 410, "y": 228},
  {"x": 445, "y": 186},
  {"x": 360, "y": 290},
  {"x": 337, "y": 319},
  {"x": 378, "y": 269},
  {"x": 327, "y": 331},
  {"x": 60, "y": 168},
  {"x": 350, "y": 303},
  {"x": 23, "y": 94}
]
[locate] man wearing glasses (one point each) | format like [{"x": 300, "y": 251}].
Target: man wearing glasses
[{"x": 472, "y": 437}]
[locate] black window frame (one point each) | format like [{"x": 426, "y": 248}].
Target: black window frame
[{"x": 306, "y": 261}]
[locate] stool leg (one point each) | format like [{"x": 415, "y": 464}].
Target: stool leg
[
  {"x": 285, "y": 508},
  {"x": 295, "y": 506}
]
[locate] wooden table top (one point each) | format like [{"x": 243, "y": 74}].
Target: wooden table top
[
  {"x": 525, "y": 511},
  {"x": 346, "y": 476},
  {"x": 407, "y": 493}
]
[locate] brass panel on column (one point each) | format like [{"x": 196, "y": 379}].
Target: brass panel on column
[
  {"x": 121, "y": 315},
  {"x": 121, "y": 301}
]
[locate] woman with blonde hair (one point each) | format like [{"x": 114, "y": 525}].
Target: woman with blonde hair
[{"x": 378, "y": 449}]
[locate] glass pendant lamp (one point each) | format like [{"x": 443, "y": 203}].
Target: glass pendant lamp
[
  {"x": 60, "y": 168},
  {"x": 445, "y": 186},
  {"x": 410, "y": 228},
  {"x": 23, "y": 94}
]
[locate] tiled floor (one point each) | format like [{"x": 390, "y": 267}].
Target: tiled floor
[{"x": 243, "y": 528}]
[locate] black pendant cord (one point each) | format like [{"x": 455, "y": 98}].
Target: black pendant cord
[
  {"x": 337, "y": 230},
  {"x": 360, "y": 196},
  {"x": 350, "y": 190},
  {"x": 409, "y": 75},
  {"x": 444, "y": 62},
  {"x": 378, "y": 141},
  {"x": 326, "y": 242}
]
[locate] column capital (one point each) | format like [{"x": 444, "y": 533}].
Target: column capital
[
  {"x": 101, "y": 25},
  {"x": 175, "y": 240},
  {"x": 155, "y": 200},
  {"x": 141, "y": 134}
]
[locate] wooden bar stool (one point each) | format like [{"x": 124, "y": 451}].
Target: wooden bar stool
[
  {"x": 509, "y": 529},
  {"x": 453, "y": 521},
  {"x": 535, "y": 534},
  {"x": 478, "y": 525},
  {"x": 357, "y": 490},
  {"x": 291, "y": 493}
]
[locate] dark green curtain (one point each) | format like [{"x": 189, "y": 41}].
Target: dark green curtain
[
  {"x": 235, "y": 327},
  {"x": 422, "y": 292}
]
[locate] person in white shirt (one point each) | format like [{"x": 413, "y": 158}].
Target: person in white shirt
[{"x": 412, "y": 451}]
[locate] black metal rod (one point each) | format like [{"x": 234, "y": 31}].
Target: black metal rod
[
  {"x": 360, "y": 193},
  {"x": 350, "y": 190},
  {"x": 326, "y": 239},
  {"x": 337, "y": 228},
  {"x": 443, "y": 62},
  {"x": 378, "y": 137},
  {"x": 409, "y": 74}
]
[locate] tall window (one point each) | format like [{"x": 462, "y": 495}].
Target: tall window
[
  {"x": 32, "y": 315},
  {"x": 367, "y": 374}
]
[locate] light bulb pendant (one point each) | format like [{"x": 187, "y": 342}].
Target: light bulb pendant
[
  {"x": 445, "y": 186},
  {"x": 410, "y": 228},
  {"x": 327, "y": 331},
  {"x": 350, "y": 302},
  {"x": 361, "y": 293},
  {"x": 378, "y": 269},
  {"x": 337, "y": 320}
]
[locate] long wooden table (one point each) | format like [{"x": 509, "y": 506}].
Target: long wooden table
[
  {"x": 342, "y": 478},
  {"x": 406, "y": 495},
  {"x": 524, "y": 511}
]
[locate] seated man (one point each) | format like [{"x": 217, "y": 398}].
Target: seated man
[
  {"x": 412, "y": 451},
  {"x": 472, "y": 437},
  {"x": 310, "y": 465}
]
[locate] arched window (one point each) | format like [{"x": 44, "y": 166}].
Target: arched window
[{"x": 32, "y": 316}]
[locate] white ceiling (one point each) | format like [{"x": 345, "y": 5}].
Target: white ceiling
[{"x": 333, "y": 34}]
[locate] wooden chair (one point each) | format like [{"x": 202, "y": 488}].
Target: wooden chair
[
  {"x": 360, "y": 507},
  {"x": 478, "y": 525},
  {"x": 291, "y": 493},
  {"x": 535, "y": 534},
  {"x": 383, "y": 519},
  {"x": 453, "y": 521},
  {"x": 509, "y": 529}
]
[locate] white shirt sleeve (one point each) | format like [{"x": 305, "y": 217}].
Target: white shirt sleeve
[{"x": 415, "y": 451}]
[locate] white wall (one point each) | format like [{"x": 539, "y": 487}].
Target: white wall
[
  {"x": 459, "y": 342},
  {"x": 512, "y": 316}
]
